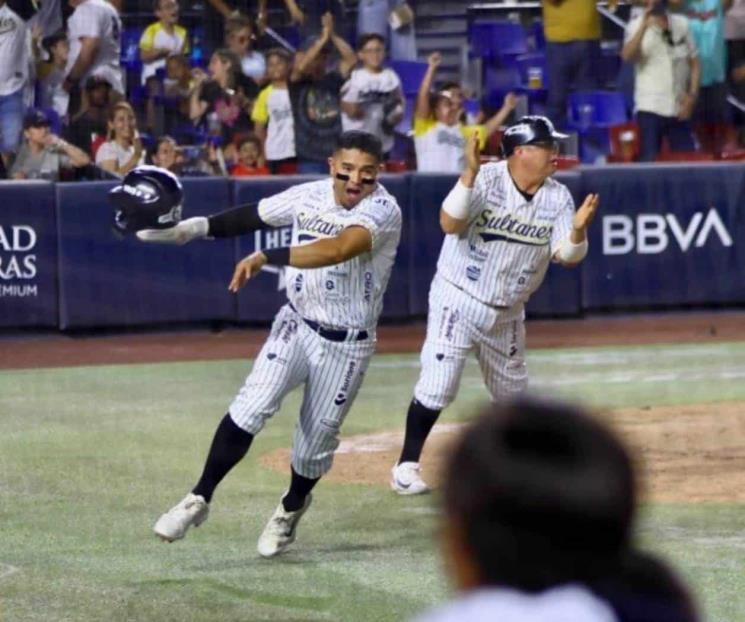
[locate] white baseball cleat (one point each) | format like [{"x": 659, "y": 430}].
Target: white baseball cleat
[
  {"x": 279, "y": 532},
  {"x": 405, "y": 479},
  {"x": 173, "y": 525}
]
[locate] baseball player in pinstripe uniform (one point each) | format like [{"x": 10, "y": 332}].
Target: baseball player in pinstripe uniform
[
  {"x": 504, "y": 223},
  {"x": 345, "y": 232}
]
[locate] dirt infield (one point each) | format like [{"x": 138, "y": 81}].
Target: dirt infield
[
  {"x": 19, "y": 352},
  {"x": 689, "y": 453}
]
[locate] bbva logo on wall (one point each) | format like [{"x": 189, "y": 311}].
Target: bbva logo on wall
[
  {"x": 651, "y": 234},
  {"x": 17, "y": 261}
]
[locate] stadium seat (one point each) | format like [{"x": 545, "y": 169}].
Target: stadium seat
[
  {"x": 533, "y": 71},
  {"x": 625, "y": 142},
  {"x": 411, "y": 73},
  {"x": 595, "y": 109},
  {"x": 497, "y": 40},
  {"x": 498, "y": 81}
]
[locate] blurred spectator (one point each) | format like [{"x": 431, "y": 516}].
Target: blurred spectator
[
  {"x": 188, "y": 161},
  {"x": 123, "y": 150},
  {"x": 51, "y": 93},
  {"x": 372, "y": 99},
  {"x": 706, "y": 24},
  {"x": 92, "y": 120},
  {"x": 373, "y": 17},
  {"x": 439, "y": 135},
  {"x": 572, "y": 30},
  {"x": 49, "y": 18},
  {"x": 272, "y": 114},
  {"x": 239, "y": 39},
  {"x": 177, "y": 86},
  {"x": 250, "y": 159},
  {"x": 735, "y": 33},
  {"x": 14, "y": 72},
  {"x": 217, "y": 12},
  {"x": 539, "y": 503},
  {"x": 308, "y": 15},
  {"x": 94, "y": 31},
  {"x": 43, "y": 154},
  {"x": 160, "y": 40},
  {"x": 217, "y": 101},
  {"x": 315, "y": 97},
  {"x": 664, "y": 54}
]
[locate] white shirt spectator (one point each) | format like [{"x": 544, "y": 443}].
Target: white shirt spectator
[
  {"x": 372, "y": 91},
  {"x": 97, "y": 18},
  {"x": 253, "y": 65},
  {"x": 112, "y": 150},
  {"x": 157, "y": 37},
  {"x": 14, "y": 52},
  {"x": 662, "y": 70},
  {"x": 274, "y": 109},
  {"x": 570, "y": 603}
]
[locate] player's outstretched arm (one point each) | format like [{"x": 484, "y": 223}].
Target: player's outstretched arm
[
  {"x": 351, "y": 242},
  {"x": 226, "y": 224},
  {"x": 456, "y": 206},
  {"x": 574, "y": 249}
]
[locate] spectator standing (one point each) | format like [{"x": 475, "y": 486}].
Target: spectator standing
[
  {"x": 14, "y": 74},
  {"x": 315, "y": 97},
  {"x": 91, "y": 123},
  {"x": 706, "y": 24},
  {"x": 572, "y": 31},
  {"x": 272, "y": 114},
  {"x": 735, "y": 33},
  {"x": 52, "y": 95},
  {"x": 250, "y": 159},
  {"x": 439, "y": 136},
  {"x": 217, "y": 102},
  {"x": 123, "y": 150},
  {"x": 162, "y": 39},
  {"x": 666, "y": 66},
  {"x": 539, "y": 505},
  {"x": 94, "y": 31},
  {"x": 373, "y": 17},
  {"x": 372, "y": 99},
  {"x": 239, "y": 39},
  {"x": 43, "y": 154}
]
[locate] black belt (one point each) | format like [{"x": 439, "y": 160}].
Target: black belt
[{"x": 333, "y": 334}]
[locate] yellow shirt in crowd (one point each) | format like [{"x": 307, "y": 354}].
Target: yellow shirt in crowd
[{"x": 570, "y": 20}]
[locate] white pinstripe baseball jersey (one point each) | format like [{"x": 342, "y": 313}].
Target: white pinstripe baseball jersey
[
  {"x": 349, "y": 294},
  {"x": 503, "y": 256}
]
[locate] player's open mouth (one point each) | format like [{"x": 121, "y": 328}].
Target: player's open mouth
[{"x": 353, "y": 193}]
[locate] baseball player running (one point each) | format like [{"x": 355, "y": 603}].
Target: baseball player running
[
  {"x": 504, "y": 223},
  {"x": 345, "y": 232}
]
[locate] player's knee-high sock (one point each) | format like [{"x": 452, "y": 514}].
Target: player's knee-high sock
[
  {"x": 419, "y": 422},
  {"x": 300, "y": 487},
  {"x": 228, "y": 448}
]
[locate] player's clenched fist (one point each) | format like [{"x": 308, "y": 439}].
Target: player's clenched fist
[
  {"x": 246, "y": 269},
  {"x": 586, "y": 212}
]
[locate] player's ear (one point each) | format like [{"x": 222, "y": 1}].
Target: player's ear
[{"x": 331, "y": 164}]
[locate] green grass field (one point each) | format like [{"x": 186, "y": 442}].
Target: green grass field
[{"x": 89, "y": 457}]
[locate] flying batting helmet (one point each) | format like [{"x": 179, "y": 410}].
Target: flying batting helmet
[
  {"x": 149, "y": 197},
  {"x": 529, "y": 130}
]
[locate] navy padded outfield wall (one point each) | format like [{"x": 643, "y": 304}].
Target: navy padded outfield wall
[
  {"x": 28, "y": 254},
  {"x": 108, "y": 281},
  {"x": 665, "y": 236}
]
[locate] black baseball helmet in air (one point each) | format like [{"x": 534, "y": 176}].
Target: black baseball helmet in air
[
  {"x": 529, "y": 130},
  {"x": 149, "y": 197}
]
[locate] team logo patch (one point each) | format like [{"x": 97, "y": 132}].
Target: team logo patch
[
  {"x": 439, "y": 356},
  {"x": 509, "y": 229},
  {"x": 271, "y": 356},
  {"x": 341, "y": 396},
  {"x": 473, "y": 272},
  {"x": 340, "y": 399}
]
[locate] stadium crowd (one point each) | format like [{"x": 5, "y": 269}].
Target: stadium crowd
[{"x": 81, "y": 99}]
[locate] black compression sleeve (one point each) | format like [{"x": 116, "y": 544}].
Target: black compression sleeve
[
  {"x": 235, "y": 221},
  {"x": 278, "y": 256}
]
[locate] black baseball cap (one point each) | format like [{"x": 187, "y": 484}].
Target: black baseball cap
[
  {"x": 530, "y": 130},
  {"x": 35, "y": 118}
]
